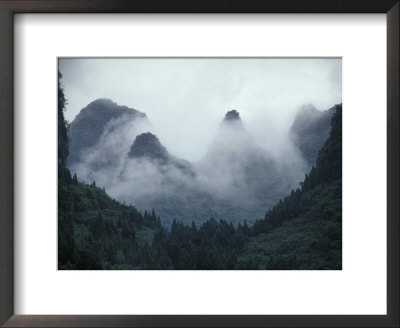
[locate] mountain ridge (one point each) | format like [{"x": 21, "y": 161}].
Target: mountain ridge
[{"x": 87, "y": 127}]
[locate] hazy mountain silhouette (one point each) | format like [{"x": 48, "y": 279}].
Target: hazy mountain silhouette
[
  {"x": 310, "y": 130},
  {"x": 87, "y": 127},
  {"x": 236, "y": 180}
]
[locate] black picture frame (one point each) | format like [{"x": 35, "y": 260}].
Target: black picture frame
[{"x": 10, "y": 7}]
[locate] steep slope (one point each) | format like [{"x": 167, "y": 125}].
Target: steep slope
[
  {"x": 88, "y": 126},
  {"x": 237, "y": 180},
  {"x": 310, "y": 130},
  {"x": 246, "y": 174},
  {"x": 153, "y": 178},
  {"x": 94, "y": 230},
  {"x": 304, "y": 231},
  {"x": 147, "y": 146},
  {"x": 97, "y": 232}
]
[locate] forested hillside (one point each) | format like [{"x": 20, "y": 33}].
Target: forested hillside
[
  {"x": 304, "y": 231},
  {"x": 95, "y": 231}
]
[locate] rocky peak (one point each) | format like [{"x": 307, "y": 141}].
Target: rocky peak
[
  {"x": 307, "y": 109},
  {"x": 232, "y": 116},
  {"x": 147, "y": 145},
  {"x": 87, "y": 127}
]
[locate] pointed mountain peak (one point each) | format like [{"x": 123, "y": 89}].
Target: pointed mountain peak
[
  {"x": 88, "y": 126},
  {"x": 307, "y": 111},
  {"x": 147, "y": 145},
  {"x": 103, "y": 101},
  {"x": 232, "y": 116},
  {"x": 305, "y": 115},
  {"x": 232, "y": 123},
  {"x": 108, "y": 109},
  {"x": 308, "y": 108}
]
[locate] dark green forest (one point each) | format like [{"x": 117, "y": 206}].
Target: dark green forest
[{"x": 302, "y": 232}]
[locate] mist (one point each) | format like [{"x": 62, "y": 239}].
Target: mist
[
  {"x": 185, "y": 99},
  {"x": 227, "y": 168}
]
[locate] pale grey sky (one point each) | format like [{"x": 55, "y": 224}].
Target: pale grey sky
[{"x": 185, "y": 99}]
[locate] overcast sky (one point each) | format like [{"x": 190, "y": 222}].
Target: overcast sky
[{"x": 186, "y": 99}]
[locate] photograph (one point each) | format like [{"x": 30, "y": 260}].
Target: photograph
[
  {"x": 198, "y": 170},
  {"x": 199, "y": 163}
]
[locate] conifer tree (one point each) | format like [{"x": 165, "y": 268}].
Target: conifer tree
[{"x": 62, "y": 129}]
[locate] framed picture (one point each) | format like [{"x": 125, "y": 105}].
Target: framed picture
[{"x": 199, "y": 170}]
